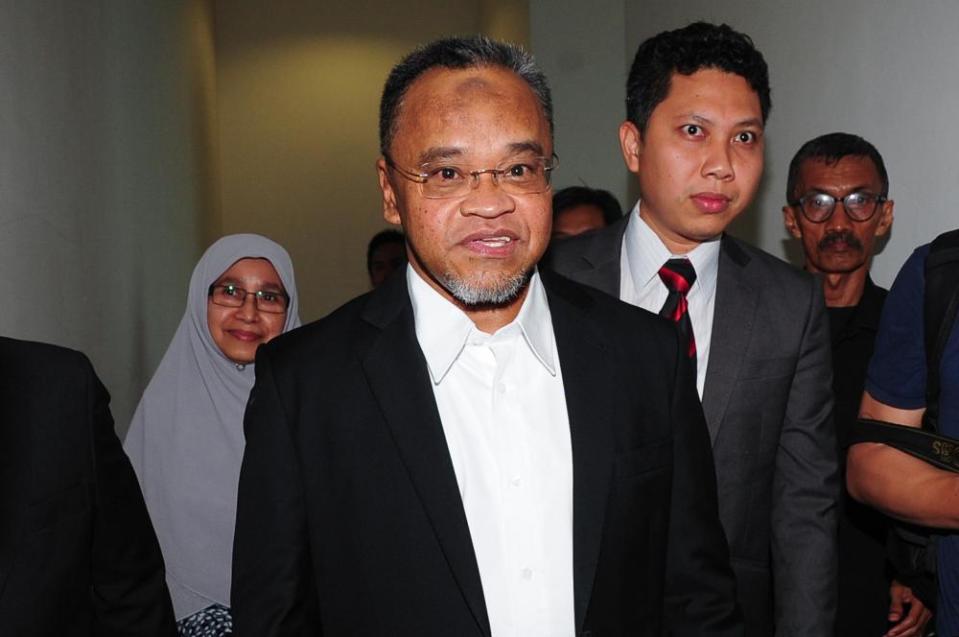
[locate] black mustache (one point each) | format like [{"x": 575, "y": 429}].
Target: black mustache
[{"x": 844, "y": 236}]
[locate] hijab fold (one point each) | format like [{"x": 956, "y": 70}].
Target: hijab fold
[{"x": 186, "y": 437}]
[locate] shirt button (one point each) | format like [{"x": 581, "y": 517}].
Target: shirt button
[
  {"x": 527, "y": 573},
  {"x": 516, "y": 482},
  {"x": 501, "y": 388}
]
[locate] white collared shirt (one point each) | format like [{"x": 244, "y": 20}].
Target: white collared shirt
[
  {"x": 503, "y": 407},
  {"x": 642, "y": 256}
]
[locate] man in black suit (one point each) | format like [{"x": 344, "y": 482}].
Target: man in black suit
[
  {"x": 473, "y": 449},
  {"x": 697, "y": 102},
  {"x": 78, "y": 556}
]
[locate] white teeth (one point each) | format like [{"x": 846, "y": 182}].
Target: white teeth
[{"x": 496, "y": 242}]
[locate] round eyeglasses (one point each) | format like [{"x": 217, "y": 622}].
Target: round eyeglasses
[
  {"x": 818, "y": 207},
  {"x": 269, "y": 301},
  {"x": 518, "y": 176}
]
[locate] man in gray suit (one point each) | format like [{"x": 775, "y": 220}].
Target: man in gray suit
[{"x": 697, "y": 103}]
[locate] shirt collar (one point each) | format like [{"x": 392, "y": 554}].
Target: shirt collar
[
  {"x": 646, "y": 254},
  {"x": 443, "y": 330}
]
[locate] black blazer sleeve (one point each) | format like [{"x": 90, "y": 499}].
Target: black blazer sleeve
[
  {"x": 700, "y": 587},
  {"x": 273, "y": 591},
  {"x": 129, "y": 591},
  {"x": 78, "y": 555}
]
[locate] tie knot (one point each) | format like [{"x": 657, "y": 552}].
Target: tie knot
[{"x": 678, "y": 275}]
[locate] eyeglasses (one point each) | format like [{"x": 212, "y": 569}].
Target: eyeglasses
[
  {"x": 269, "y": 301},
  {"x": 819, "y": 206},
  {"x": 441, "y": 180}
]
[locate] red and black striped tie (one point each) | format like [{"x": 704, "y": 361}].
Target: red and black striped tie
[{"x": 679, "y": 275}]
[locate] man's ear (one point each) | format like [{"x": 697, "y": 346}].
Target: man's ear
[
  {"x": 390, "y": 210},
  {"x": 885, "y": 218},
  {"x": 631, "y": 143},
  {"x": 789, "y": 220}
]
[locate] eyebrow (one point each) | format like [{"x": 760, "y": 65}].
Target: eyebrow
[
  {"x": 528, "y": 146},
  {"x": 702, "y": 119},
  {"x": 436, "y": 153},
  {"x": 439, "y": 152},
  {"x": 860, "y": 188},
  {"x": 264, "y": 287}
]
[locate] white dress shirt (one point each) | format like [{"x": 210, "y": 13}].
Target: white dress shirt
[
  {"x": 642, "y": 256},
  {"x": 501, "y": 401}
]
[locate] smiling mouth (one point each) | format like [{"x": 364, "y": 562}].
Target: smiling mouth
[
  {"x": 495, "y": 242},
  {"x": 492, "y": 244},
  {"x": 242, "y": 335}
]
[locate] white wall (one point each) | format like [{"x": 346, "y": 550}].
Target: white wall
[
  {"x": 883, "y": 70},
  {"x": 100, "y": 185},
  {"x": 581, "y": 46}
]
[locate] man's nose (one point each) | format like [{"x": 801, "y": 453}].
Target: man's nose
[
  {"x": 718, "y": 163},
  {"x": 840, "y": 217},
  {"x": 486, "y": 198}
]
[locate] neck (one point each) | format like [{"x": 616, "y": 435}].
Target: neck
[
  {"x": 675, "y": 243},
  {"x": 843, "y": 289}
]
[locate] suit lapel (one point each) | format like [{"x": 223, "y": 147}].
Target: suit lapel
[
  {"x": 581, "y": 354},
  {"x": 735, "y": 310},
  {"x": 400, "y": 382},
  {"x": 14, "y": 461},
  {"x": 601, "y": 259}
]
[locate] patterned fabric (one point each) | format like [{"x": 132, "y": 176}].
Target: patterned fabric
[
  {"x": 679, "y": 275},
  {"x": 212, "y": 621}
]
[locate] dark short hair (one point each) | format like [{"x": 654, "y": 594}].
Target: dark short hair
[
  {"x": 380, "y": 239},
  {"x": 695, "y": 47},
  {"x": 458, "y": 53},
  {"x": 581, "y": 195},
  {"x": 829, "y": 149}
]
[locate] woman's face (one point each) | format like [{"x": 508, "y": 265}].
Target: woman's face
[{"x": 238, "y": 331}]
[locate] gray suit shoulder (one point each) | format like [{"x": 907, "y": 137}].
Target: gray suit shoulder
[{"x": 787, "y": 278}]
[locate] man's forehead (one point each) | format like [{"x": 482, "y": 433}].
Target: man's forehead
[
  {"x": 442, "y": 101},
  {"x": 828, "y": 171},
  {"x": 443, "y": 86},
  {"x": 716, "y": 85}
]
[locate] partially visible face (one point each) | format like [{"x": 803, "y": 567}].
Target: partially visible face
[
  {"x": 577, "y": 220},
  {"x": 700, "y": 159},
  {"x": 839, "y": 244},
  {"x": 386, "y": 259},
  {"x": 479, "y": 248},
  {"x": 238, "y": 331}
]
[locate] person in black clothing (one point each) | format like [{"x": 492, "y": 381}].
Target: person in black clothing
[
  {"x": 78, "y": 554},
  {"x": 838, "y": 207}
]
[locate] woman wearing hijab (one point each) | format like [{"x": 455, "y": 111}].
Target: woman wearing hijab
[{"x": 186, "y": 438}]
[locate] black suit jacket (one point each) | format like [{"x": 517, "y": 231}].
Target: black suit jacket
[
  {"x": 350, "y": 521},
  {"x": 78, "y": 555},
  {"x": 768, "y": 406}
]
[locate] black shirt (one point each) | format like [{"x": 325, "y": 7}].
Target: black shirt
[{"x": 863, "y": 575}]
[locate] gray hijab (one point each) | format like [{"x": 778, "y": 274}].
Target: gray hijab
[{"x": 186, "y": 438}]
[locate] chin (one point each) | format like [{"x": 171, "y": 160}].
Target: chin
[
  {"x": 498, "y": 290},
  {"x": 242, "y": 358}
]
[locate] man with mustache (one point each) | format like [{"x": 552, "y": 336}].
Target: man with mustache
[
  {"x": 838, "y": 207},
  {"x": 755, "y": 327}
]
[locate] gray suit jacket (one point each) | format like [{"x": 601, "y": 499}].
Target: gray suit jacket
[{"x": 768, "y": 406}]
